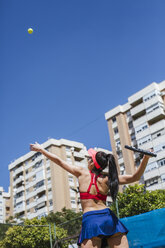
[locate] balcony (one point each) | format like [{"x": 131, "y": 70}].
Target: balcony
[
  {"x": 120, "y": 160},
  {"x": 20, "y": 199},
  {"x": 20, "y": 208},
  {"x": 18, "y": 180},
  {"x": 142, "y": 134},
  {"x": 30, "y": 184},
  {"x": 79, "y": 155},
  {"x": 152, "y": 101},
  {"x": 114, "y": 124},
  {"x": 50, "y": 208},
  {"x": 41, "y": 199},
  {"x": 140, "y": 121},
  {"x": 18, "y": 170},
  {"x": 39, "y": 213},
  {"x": 159, "y": 140},
  {"x": 151, "y": 174},
  {"x": 138, "y": 110},
  {"x": 43, "y": 211},
  {"x": 154, "y": 187},
  {"x": 50, "y": 196},
  {"x": 157, "y": 126},
  {"x": 156, "y": 115},
  {"x": 30, "y": 195},
  {"x": 20, "y": 189},
  {"x": 40, "y": 189},
  {"x": 162, "y": 169},
  {"x": 31, "y": 205}
]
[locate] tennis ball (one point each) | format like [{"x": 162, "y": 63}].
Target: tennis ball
[{"x": 30, "y": 30}]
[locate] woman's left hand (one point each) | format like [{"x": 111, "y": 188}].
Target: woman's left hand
[{"x": 35, "y": 147}]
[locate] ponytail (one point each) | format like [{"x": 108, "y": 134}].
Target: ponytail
[
  {"x": 105, "y": 160},
  {"x": 113, "y": 180}
]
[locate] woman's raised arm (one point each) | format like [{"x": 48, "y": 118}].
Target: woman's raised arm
[
  {"x": 76, "y": 171},
  {"x": 126, "y": 179}
]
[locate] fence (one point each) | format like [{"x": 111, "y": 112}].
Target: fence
[{"x": 145, "y": 231}]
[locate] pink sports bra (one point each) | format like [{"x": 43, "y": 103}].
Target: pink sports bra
[{"x": 87, "y": 195}]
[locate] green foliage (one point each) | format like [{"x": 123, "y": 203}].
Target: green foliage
[
  {"x": 31, "y": 237},
  {"x": 67, "y": 219},
  {"x": 3, "y": 229},
  {"x": 136, "y": 200}
]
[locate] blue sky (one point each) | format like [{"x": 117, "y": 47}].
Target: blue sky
[{"x": 84, "y": 58}]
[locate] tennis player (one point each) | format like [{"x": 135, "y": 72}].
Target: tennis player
[{"x": 99, "y": 223}]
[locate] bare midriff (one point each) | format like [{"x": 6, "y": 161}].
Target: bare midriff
[{"x": 92, "y": 205}]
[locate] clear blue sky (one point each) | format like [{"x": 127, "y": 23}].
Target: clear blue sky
[{"x": 84, "y": 58}]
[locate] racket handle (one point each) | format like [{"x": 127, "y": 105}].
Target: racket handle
[{"x": 141, "y": 151}]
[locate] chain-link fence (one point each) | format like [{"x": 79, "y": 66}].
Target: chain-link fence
[
  {"x": 23, "y": 235},
  {"x": 73, "y": 228}
]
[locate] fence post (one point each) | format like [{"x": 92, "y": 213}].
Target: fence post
[
  {"x": 55, "y": 231},
  {"x": 117, "y": 208},
  {"x": 51, "y": 245}
]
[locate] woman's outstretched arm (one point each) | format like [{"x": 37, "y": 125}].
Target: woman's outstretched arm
[
  {"x": 76, "y": 171},
  {"x": 126, "y": 179}
]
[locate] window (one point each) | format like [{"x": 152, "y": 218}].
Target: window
[
  {"x": 26, "y": 163},
  {"x": 71, "y": 179},
  {"x": 158, "y": 133},
  {"x": 39, "y": 184},
  {"x": 115, "y": 130},
  {"x": 114, "y": 119},
  {"x": 73, "y": 201},
  {"x": 144, "y": 140},
  {"x": 151, "y": 167},
  {"x": 151, "y": 182},
  {"x": 161, "y": 162},
  {"x": 130, "y": 125},
  {"x": 49, "y": 180},
  {"x": 163, "y": 177},
  {"x": 141, "y": 127},
  {"x": 128, "y": 113},
  {"x": 133, "y": 137},
  {"x": 67, "y": 148},
  {"x": 117, "y": 142},
  {"x": 119, "y": 153},
  {"x": 151, "y": 95},
  {"x": 122, "y": 169},
  {"x": 36, "y": 155},
  {"x": 159, "y": 148}
]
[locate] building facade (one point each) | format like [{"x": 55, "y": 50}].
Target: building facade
[
  {"x": 39, "y": 186},
  {"x": 140, "y": 123},
  {"x": 4, "y": 205}
]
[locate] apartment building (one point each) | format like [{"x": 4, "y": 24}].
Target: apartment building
[
  {"x": 4, "y": 205},
  {"x": 39, "y": 186},
  {"x": 140, "y": 123}
]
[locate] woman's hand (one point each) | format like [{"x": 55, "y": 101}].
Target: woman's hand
[{"x": 35, "y": 147}]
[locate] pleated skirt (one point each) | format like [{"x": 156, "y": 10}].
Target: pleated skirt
[{"x": 100, "y": 223}]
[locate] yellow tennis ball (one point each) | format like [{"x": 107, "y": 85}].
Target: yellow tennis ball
[{"x": 30, "y": 30}]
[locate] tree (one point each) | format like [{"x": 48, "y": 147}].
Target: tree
[
  {"x": 67, "y": 219},
  {"x": 137, "y": 200},
  {"x": 27, "y": 236}
]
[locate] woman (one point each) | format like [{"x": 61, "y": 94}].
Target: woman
[{"x": 99, "y": 222}]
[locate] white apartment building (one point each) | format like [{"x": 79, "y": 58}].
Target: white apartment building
[
  {"x": 39, "y": 186},
  {"x": 140, "y": 123},
  {"x": 4, "y": 205}
]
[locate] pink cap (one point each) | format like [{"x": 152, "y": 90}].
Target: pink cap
[{"x": 92, "y": 153}]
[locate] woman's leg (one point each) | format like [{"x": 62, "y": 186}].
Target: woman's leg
[
  {"x": 118, "y": 240},
  {"x": 95, "y": 242}
]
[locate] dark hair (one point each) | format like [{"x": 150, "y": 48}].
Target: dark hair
[{"x": 105, "y": 160}]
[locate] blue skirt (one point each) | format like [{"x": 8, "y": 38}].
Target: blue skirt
[{"x": 100, "y": 223}]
